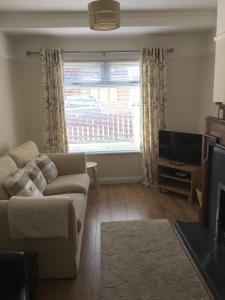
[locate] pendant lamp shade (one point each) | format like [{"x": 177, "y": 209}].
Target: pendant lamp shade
[{"x": 104, "y": 15}]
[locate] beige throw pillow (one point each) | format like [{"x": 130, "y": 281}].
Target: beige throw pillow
[
  {"x": 21, "y": 185},
  {"x": 35, "y": 174},
  {"x": 47, "y": 167}
]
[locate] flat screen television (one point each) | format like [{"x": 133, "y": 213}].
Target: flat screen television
[{"x": 180, "y": 147}]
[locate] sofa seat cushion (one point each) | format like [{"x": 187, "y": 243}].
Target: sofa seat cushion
[
  {"x": 7, "y": 169},
  {"x": 80, "y": 205},
  {"x": 76, "y": 183},
  {"x": 24, "y": 153}
]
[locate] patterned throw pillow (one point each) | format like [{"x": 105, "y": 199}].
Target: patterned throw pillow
[
  {"x": 21, "y": 185},
  {"x": 35, "y": 174},
  {"x": 47, "y": 167}
]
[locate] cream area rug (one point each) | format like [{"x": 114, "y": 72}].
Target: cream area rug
[{"x": 144, "y": 260}]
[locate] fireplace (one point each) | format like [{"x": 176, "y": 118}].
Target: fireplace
[
  {"x": 220, "y": 216},
  {"x": 205, "y": 240},
  {"x": 216, "y": 190}
]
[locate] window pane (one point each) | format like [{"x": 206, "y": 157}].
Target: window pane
[
  {"x": 103, "y": 118},
  {"x": 124, "y": 72},
  {"x": 78, "y": 73}
]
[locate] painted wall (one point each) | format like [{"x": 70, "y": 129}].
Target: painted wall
[
  {"x": 12, "y": 125},
  {"x": 219, "y": 86},
  {"x": 220, "y": 17},
  {"x": 184, "y": 100},
  {"x": 207, "y": 107}
]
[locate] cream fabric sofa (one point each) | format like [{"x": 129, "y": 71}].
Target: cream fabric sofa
[{"x": 58, "y": 257}]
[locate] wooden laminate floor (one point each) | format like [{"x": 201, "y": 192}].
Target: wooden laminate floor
[{"x": 115, "y": 202}]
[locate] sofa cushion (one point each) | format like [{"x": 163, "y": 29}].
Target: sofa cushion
[
  {"x": 24, "y": 153},
  {"x": 76, "y": 183},
  {"x": 47, "y": 167},
  {"x": 35, "y": 174},
  {"x": 7, "y": 168},
  {"x": 20, "y": 184}
]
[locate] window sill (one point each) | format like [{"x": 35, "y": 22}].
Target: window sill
[{"x": 108, "y": 152}]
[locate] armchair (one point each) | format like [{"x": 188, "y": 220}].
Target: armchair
[{"x": 18, "y": 275}]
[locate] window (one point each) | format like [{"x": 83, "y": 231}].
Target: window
[{"x": 102, "y": 106}]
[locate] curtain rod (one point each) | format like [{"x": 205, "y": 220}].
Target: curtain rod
[{"x": 104, "y": 52}]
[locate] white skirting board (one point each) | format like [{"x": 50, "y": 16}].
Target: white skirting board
[{"x": 110, "y": 180}]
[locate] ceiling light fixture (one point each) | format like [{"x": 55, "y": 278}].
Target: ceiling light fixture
[{"x": 104, "y": 15}]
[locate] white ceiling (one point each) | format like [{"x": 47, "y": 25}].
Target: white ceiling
[
  {"x": 81, "y": 5},
  {"x": 138, "y": 17}
]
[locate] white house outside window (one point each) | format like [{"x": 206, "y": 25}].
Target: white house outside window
[{"x": 102, "y": 106}]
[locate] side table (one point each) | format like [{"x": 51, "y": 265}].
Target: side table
[{"x": 94, "y": 166}]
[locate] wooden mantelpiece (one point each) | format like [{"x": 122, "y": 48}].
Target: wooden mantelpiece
[
  {"x": 214, "y": 137},
  {"x": 215, "y": 128}
]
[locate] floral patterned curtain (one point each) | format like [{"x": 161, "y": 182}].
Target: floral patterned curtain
[
  {"x": 153, "y": 72},
  {"x": 55, "y": 134}
]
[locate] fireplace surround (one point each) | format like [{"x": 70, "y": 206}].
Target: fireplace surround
[
  {"x": 220, "y": 215},
  {"x": 205, "y": 240}
]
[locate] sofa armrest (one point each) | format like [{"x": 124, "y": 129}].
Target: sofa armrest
[
  {"x": 55, "y": 255},
  {"x": 44, "y": 217},
  {"x": 69, "y": 163}
]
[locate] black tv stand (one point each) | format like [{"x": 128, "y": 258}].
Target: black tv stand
[{"x": 177, "y": 163}]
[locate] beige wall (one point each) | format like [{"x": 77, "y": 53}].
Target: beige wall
[
  {"x": 219, "y": 86},
  {"x": 30, "y": 81},
  {"x": 118, "y": 167},
  {"x": 12, "y": 126},
  {"x": 220, "y": 17},
  {"x": 207, "y": 107},
  {"x": 185, "y": 97},
  {"x": 183, "y": 93}
]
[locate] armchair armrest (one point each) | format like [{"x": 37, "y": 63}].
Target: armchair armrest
[
  {"x": 44, "y": 217},
  {"x": 69, "y": 163},
  {"x": 18, "y": 275}
]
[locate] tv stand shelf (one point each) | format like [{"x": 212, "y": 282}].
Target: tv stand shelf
[{"x": 181, "y": 179}]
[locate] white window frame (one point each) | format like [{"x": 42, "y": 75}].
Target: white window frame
[{"x": 107, "y": 84}]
